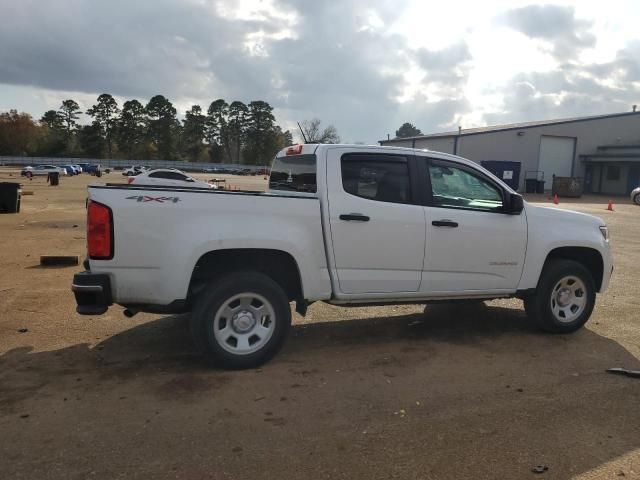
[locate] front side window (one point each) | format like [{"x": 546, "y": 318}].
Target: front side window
[
  {"x": 457, "y": 188},
  {"x": 294, "y": 173},
  {"x": 384, "y": 178}
]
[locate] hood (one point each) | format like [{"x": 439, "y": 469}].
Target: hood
[{"x": 567, "y": 217}]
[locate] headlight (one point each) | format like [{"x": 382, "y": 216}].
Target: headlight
[{"x": 605, "y": 233}]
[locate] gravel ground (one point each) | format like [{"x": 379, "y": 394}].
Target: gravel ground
[{"x": 379, "y": 392}]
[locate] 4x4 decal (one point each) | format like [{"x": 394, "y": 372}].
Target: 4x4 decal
[{"x": 147, "y": 198}]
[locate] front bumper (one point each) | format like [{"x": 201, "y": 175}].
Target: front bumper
[{"x": 92, "y": 292}]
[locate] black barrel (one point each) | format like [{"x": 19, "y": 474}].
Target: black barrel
[
  {"x": 54, "y": 178},
  {"x": 530, "y": 185},
  {"x": 10, "y": 196}
]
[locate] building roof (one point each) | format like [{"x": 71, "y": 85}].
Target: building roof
[{"x": 509, "y": 126}]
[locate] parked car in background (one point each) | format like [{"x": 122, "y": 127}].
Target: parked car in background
[
  {"x": 135, "y": 170},
  {"x": 169, "y": 177},
  {"x": 39, "y": 170},
  {"x": 77, "y": 167},
  {"x": 70, "y": 169},
  {"x": 635, "y": 196},
  {"x": 89, "y": 168}
]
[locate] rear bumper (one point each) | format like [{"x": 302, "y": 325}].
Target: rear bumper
[{"x": 92, "y": 292}]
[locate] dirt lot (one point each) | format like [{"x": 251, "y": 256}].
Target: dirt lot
[{"x": 393, "y": 392}]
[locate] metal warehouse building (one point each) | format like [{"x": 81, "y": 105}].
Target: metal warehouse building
[{"x": 604, "y": 150}]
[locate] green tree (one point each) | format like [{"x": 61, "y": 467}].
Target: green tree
[
  {"x": 193, "y": 133},
  {"x": 408, "y": 130},
  {"x": 53, "y": 138},
  {"x": 216, "y": 130},
  {"x": 91, "y": 140},
  {"x": 234, "y": 134},
  {"x": 131, "y": 128},
  {"x": 163, "y": 126},
  {"x": 261, "y": 135},
  {"x": 52, "y": 119},
  {"x": 69, "y": 112},
  {"x": 105, "y": 114},
  {"x": 314, "y": 133}
]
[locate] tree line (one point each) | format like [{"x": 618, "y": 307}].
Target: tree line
[{"x": 225, "y": 133}]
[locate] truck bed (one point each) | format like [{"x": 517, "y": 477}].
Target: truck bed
[{"x": 160, "y": 233}]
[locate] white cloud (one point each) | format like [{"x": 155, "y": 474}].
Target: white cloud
[{"x": 366, "y": 66}]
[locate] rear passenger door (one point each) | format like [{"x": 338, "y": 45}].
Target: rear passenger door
[{"x": 377, "y": 226}]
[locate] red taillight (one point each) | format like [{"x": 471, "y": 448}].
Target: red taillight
[
  {"x": 99, "y": 231},
  {"x": 295, "y": 149},
  {"x": 130, "y": 180}
]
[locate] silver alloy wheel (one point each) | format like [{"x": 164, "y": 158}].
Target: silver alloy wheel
[
  {"x": 568, "y": 299},
  {"x": 636, "y": 199},
  {"x": 244, "y": 323}
]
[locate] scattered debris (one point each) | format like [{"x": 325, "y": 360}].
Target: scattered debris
[
  {"x": 520, "y": 390},
  {"x": 539, "y": 469},
  {"x": 624, "y": 371},
  {"x": 27, "y": 192},
  {"x": 257, "y": 399},
  {"x": 59, "y": 260},
  {"x": 24, "y": 415},
  {"x": 23, "y": 330}
]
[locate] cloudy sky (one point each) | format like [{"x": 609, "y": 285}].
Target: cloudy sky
[{"x": 365, "y": 65}]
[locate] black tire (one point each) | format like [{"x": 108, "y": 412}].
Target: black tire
[
  {"x": 636, "y": 199},
  {"x": 215, "y": 297},
  {"x": 539, "y": 305}
]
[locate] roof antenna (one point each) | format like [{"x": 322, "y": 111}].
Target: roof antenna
[{"x": 302, "y": 132}]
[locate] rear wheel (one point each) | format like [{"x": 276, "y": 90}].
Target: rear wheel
[
  {"x": 241, "y": 320},
  {"x": 636, "y": 199},
  {"x": 564, "y": 298}
]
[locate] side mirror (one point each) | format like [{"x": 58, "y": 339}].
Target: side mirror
[{"x": 515, "y": 204}]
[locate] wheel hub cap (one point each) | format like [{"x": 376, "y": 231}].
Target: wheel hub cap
[
  {"x": 243, "y": 321},
  {"x": 564, "y": 297}
]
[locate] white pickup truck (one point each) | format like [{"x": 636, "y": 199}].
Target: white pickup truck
[{"x": 345, "y": 224}]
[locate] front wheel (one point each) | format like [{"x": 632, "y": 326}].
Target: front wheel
[
  {"x": 241, "y": 320},
  {"x": 564, "y": 298}
]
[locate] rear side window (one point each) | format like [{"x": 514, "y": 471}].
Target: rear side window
[
  {"x": 294, "y": 173},
  {"x": 168, "y": 175},
  {"x": 384, "y": 178}
]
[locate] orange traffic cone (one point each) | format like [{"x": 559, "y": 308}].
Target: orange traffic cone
[
  {"x": 610, "y": 206},
  {"x": 555, "y": 199}
]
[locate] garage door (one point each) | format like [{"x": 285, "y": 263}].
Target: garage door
[{"x": 556, "y": 157}]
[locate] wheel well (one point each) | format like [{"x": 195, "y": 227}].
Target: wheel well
[
  {"x": 588, "y": 257},
  {"x": 276, "y": 264}
]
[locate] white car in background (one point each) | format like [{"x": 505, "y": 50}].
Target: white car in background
[
  {"x": 132, "y": 171},
  {"x": 42, "y": 170},
  {"x": 168, "y": 177}
]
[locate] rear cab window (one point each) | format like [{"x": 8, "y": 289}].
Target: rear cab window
[{"x": 294, "y": 173}]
